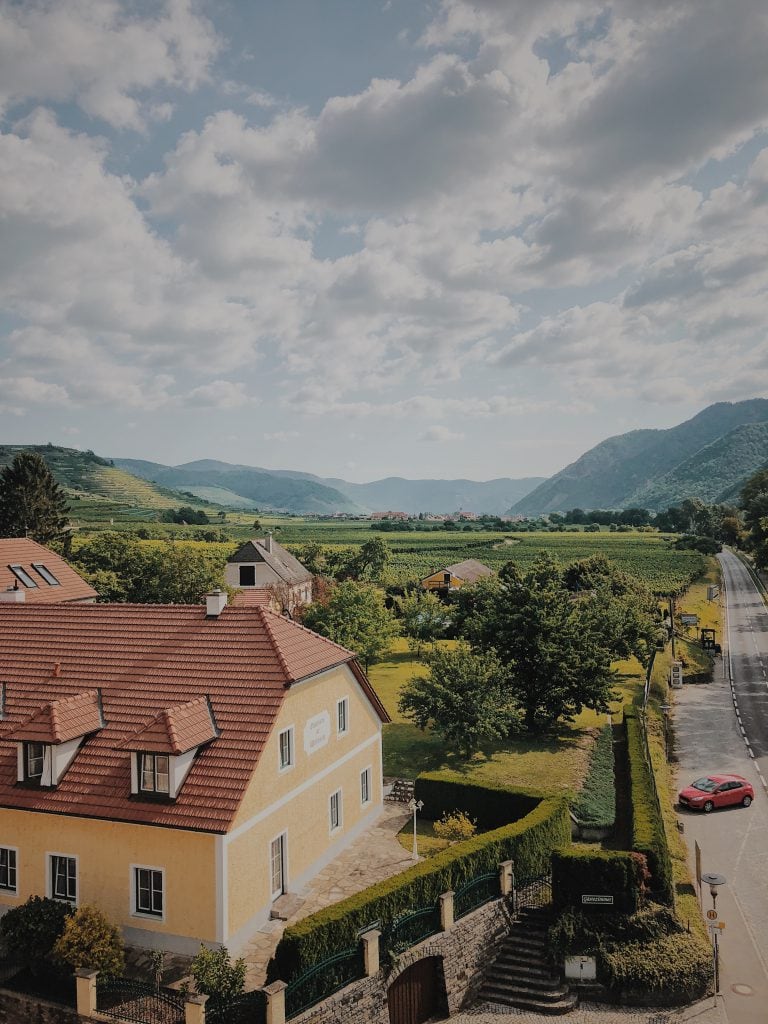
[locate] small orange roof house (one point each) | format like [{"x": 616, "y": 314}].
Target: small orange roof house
[
  {"x": 460, "y": 574},
  {"x": 35, "y": 575},
  {"x": 181, "y": 767}
]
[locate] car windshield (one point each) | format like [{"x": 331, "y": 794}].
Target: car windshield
[{"x": 705, "y": 785}]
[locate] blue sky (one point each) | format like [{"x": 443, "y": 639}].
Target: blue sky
[{"x": 391, "y": 237}]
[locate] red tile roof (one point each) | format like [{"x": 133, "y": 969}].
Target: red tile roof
[
  {"x": 27, "y": 554},
  {"x": 147, "y": 659},
  {"x": 176, "y": 730},
  {"x": 59, "y": 721},
  {"x": 259, "y": 597}
]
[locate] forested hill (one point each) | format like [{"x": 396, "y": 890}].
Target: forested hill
[{"x": 656, "y": 468}]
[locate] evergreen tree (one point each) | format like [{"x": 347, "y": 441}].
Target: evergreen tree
[{"x": 32, "y": 504}]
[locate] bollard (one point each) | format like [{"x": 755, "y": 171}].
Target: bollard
[
  {"x": 85, "y": 981},
  {"x": 370, "y": 942},
  {"x": 446, "y": 911},
  {"x": 507, "y": 877},
  {"x": 275, "y": 994}
]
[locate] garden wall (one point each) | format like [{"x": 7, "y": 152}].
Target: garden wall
[{"x": 16, "y": 1008}]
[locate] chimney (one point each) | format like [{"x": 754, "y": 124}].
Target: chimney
[
  {"x": 13, "y": 595},
  {"x": 56, "y": 669},
  {"x": 215, "y": 603},
  {"x": 268, "y": 541}
]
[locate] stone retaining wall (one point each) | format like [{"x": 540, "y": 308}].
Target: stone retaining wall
[
  {"x": 466, "y": 949},
  {"x": 17, "y": 1008}
]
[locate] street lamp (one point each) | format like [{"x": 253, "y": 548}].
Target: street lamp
[
  {"x": 714, "y": 881},
  {"x": 665, "y": 710},
  {"x": 415, "y": 805}
]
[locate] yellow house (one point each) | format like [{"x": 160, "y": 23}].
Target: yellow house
[
  {"x": 458, "y": 575},
  {"x": 181, "y": 767}
]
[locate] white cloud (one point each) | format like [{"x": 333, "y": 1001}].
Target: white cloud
[
  {"x": 219, "y": 394},
  {"x": 441, "y": 435},
  {"x": 281, "y": 435}
]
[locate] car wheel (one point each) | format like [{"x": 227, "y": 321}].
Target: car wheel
[
  {"x": 708, "y": 806},
  {"x": 746, "y": 801}
]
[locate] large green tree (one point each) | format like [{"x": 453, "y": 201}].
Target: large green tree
[
  {"x": 424, "y": 618},
  {"x": 32, "y": 504},
  {"x": 353, "y": 615},
  {"x": 754, "y": 502}
]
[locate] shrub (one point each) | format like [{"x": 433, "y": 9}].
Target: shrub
[
  {"x": 575, "y": 932},
  {"x": 648, "y": 836},
  {"x": 30, "y": 931},
  {"x": 455, "y": 827},
  {"x": 529, "y": 842},
  {"x": 598, "y": 872},
  {"x": 493, "y": 806},
  {"x": 670, "y": 969},
  {"x": 596, "y": 803},
  {"x": 216, "y": 976},
  {"x": 91, "y": 940}
]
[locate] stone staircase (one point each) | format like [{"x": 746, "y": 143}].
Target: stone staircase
[{"x": 521, "y": 976}]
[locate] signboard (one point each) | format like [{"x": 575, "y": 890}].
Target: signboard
[
  {"x": 689, "y": 620},
  {"x": 713, "y": 591},
  {"x": 712, "y": 915},
  {"x": 592, "y": 900},
  {"x": 317, "y": 732},
  {"x": 581, "y": 968}
]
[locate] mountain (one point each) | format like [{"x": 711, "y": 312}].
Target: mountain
[
  {"x": 627, "y": 469},
  {"x": 414, "y": 496}
]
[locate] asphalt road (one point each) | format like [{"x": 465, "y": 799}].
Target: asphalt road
[{"x": 723, "y": 727}]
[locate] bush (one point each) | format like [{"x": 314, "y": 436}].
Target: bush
[
  {"x": 30, "y": 931},
  {"x": 670, "y": 969},
  {"x": 455, "y": 827},
  {"x": 492, "y": 805},
  {"x": 529, "y": 842},
  {"x": 91, "y": 940},
  {"x": 577, "y": 933},
  {"x": 216, "y": 976},
  {"x": 598, "y": 872},
  {"x": 596, "y": 803},
  {"x": 648, "y": 836}
]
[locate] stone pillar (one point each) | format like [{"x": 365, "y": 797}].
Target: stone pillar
[
  {"x": 275, "y": 994},
  {"x": 85, "y": 980},
  {"x": 194, "y": 1009},
  {"x": 507, "y": 877},
  {"x": 370, "y": 942},
  {"x": 446, "y": 911}
]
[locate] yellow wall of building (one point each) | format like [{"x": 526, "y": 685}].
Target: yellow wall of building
[
  {"x": 437, "y": 581},
  {"x": 105, "y": 851}
]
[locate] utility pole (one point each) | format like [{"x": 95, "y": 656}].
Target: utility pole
[{"x": 672, "y": 623}]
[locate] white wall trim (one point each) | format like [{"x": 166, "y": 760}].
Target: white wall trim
[{"x": 277, "y": 804}]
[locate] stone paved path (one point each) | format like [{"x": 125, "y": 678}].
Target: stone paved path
[
  {"x": 372, "y": 857},
  {"x": 593, "y": 1013}
]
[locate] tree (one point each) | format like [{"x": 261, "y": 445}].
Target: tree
[
  {"x": 754, "y": 502},
  {"x": 463, "y": 699},
  {"x": 30, "y": 931},
  {"x": 91, "y": 940},
  {"x": 353, "y": 615},
  {"x": 424, "y": 618},
  {"x": 32, "y": 504},
  {"x": 556, "y": 661},
  {"x": 216, "y": 976}
]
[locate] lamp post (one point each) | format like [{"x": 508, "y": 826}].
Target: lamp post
[
  {"x": 714, "y": 881},
  {"x": 665, "y": 709},
  {"x": 415, "y": 805}
]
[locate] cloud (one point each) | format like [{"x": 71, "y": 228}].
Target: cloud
[
  {"x": 441, "y": 435},
  {"x": 219, "y": 394},
  {"x": 281, "y": 435}
]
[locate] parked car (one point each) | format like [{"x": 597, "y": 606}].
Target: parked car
[{"x": 711, "y": 791}]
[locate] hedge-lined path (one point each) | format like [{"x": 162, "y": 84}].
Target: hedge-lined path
[
  {"x": 372, "y": 857},
  {"x": 595, "y": 1013}
]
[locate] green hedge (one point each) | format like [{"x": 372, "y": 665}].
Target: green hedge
[
  {"x": 672, "y": 969},
  {"x": 529, "y": 841},
  {"x": 492, "y": 806},
  {"x": 597, "y": 872},
  {"x": 595, "y": 805},
  {"x": 648, "y": 836}
]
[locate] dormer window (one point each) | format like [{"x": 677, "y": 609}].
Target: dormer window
[
  {"x": 155, "y": 774},
  {"x": 34, "y": 759}
]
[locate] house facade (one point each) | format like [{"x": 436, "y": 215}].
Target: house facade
[
  {"x": 452, "y": 577},
  {"x": 181, "y": 767},
  {"x": 33, "y": 574},
  {"x": 264, "y": 565}
]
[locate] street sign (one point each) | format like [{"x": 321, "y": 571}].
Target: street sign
[
  {"x": 597, "y": 899},
  {"x": 712, "y": 915},
  {"x": 720, "y": 925},
  {"x": 689, "y": 620}
]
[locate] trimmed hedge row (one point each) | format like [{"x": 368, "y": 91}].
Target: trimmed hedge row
[
  {"x": 648, "y": 836},
  {"x": 595, "y": 804},
  {"x": 672, "y": 969},
  {"x": 492, "y": 806},
  {"x": 529, "y": 841},
  {"x": 598, "y": 872}
]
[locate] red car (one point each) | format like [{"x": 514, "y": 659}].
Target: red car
[{"x": 713, "y": 791}]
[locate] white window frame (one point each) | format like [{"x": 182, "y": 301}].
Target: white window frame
[
  {"x": 333, "y": 829},
  {"x": 291, "y": 731},
  {"x": 155, "y": 791},
  {"x": 7, "y": 890},
  {"x": 28, "y": 777},
  {"x": 273, "y": 893},
  {"x": 133, "y": 909},
  {"x": 343, "y": 703},
  {"x": 49, "y": 877},
  {"x": 367, "y": 774}
]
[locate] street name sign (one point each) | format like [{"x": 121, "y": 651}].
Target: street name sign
[{"x": 597, "y": 899}]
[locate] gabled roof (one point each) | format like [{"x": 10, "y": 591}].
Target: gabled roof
[
  {"x": 255, "y": 597},
  {"x": 28, "y": 553},
  {"x": 176, "y": 730},
  {"x": 62, "y": 720},
  {"x": 147, "y": 659},
  {"x": 470, "y": 570},
  {"x": 282, "y": 562}
]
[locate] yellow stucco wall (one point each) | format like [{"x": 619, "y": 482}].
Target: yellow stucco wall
[
  {"x": 105, "y": 851},
  {"x": 437, "y": 581},
  {"x": 298, "y": 799}
]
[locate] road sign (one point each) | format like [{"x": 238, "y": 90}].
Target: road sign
[
  {"x": 720, "y": 925},
  {"x": 597, "y": 899},
  {"x": 712, "y": 915},
  {"x": 689, "y": 620}
]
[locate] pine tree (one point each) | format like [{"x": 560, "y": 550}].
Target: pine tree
[{"x": 32, "y": 504}]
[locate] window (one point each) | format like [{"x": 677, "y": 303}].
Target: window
[
  {"x": 154, "y": 774},
  {"x": 286, "y": 748},
  {"x": 342, "y": 716},
  {"x": 63, "y": 878},
  {"x": 22, "y": 575},
  {"x": 46, "y": 573},
  {"x": 148, "y": 891},
  {"x": 33, "y": 761},
  {"x": 247, "y": 575},
  {"x": 335, "y": 808},
  {"x": 7, "y": 869},
  {"x": 365, "y": 786}
]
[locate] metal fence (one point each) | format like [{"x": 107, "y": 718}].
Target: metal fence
[
  {"x": 533, "y": 892},
  {"x": 475, "y": 893},
  {"x": 249, "y": 1008},
  {"x": 138, "y": 1001},
  {"x": 322, "y": 980}
]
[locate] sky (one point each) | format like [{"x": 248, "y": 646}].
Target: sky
[{"x": 362, "y": 238}]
